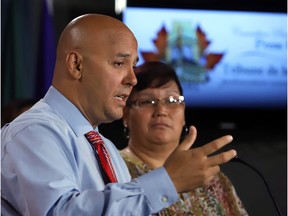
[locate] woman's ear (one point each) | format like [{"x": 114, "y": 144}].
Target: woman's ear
[{"x": 74, "y": 64}]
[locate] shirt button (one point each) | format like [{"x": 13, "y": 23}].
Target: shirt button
[{"x": 164, "y": 199}]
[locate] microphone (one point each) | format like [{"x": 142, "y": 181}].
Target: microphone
[{"x": 237, "y": 159}]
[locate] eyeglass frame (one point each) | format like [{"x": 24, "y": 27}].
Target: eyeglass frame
[{"x": 155, "y": 101}]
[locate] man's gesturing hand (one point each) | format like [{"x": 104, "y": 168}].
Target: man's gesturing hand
[{"x": 191, "y": 168}]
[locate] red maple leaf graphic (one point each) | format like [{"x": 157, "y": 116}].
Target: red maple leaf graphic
[
  {"x": 161, "y": 43},
  {"x": 213, "y": 59},
  {"x": 202, "y": 42}
]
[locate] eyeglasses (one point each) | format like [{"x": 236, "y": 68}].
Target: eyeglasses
[{"x": 170, "y": 102}]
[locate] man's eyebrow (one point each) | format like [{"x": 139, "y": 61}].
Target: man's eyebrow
[{"x": 123, "y": 55}]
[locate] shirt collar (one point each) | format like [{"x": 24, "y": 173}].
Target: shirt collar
[{"x": 68, "y": 111}]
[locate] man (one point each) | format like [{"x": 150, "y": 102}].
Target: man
[{"x": 48, "y": 165}]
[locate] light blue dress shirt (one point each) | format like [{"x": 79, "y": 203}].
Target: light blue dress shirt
[{"x": 49, "y": 168}]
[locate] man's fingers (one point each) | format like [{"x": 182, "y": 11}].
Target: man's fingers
[{"x": 188, "y": 140}]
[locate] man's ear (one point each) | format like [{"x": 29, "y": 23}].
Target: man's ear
[{"x": 74, "y": 64}]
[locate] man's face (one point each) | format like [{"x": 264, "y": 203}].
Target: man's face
[{"x": 108, "y": 76}]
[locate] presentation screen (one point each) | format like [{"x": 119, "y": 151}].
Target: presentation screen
[{"x": 222, "y": 58}]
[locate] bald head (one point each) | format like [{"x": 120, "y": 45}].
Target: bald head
[
  {"x": 82, "y": 36},
  {"x": 82, "y": 30},
  {"x": 94, "y": 53}
]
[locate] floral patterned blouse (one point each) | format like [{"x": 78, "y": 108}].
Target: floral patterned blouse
[{"x": 218, "y": 198}]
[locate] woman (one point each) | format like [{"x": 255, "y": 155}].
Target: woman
[{"x": 154, "y": 123}]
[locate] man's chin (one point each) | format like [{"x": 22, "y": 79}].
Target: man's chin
[{"x": 114, "y": 116}]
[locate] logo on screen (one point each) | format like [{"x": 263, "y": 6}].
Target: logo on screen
[{"x": 185, "y": 48}]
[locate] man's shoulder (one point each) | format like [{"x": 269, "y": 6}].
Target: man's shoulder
[{"x": 39, "y": 115}]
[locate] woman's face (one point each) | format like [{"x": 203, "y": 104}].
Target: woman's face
[{"x": 159, "y": 124}]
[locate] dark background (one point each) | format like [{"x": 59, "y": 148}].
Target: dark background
[{"x": 260, "y": 135}]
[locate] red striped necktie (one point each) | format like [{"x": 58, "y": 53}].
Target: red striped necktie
[{"x": 102, "y": 156}]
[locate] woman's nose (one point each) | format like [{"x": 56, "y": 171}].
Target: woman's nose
[{"x": 160, "y": 108}]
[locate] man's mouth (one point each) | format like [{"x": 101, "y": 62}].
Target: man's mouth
[{"x": 121, "y": 97}]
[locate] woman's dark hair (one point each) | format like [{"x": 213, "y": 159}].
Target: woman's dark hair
[{"x": 154, "y": 74}]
